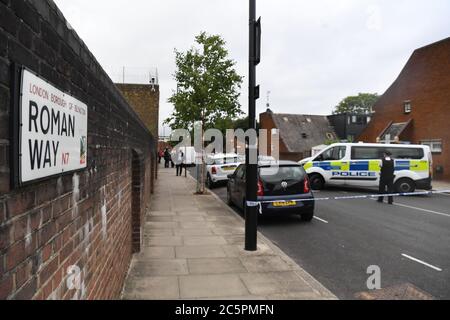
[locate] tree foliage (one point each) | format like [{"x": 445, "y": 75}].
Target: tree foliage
[
  {"x": 360, "y": 104},
  {"x": 208, "y": 86}
]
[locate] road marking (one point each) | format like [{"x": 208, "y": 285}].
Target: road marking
[
  {"x": 317, "y": 218},
  {"x": 420, "y": 209},
  {"x": 422, "y": 262}
]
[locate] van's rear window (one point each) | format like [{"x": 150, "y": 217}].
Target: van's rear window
[{"x": 368, "y": 153}]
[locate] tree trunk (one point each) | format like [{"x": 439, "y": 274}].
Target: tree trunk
[{"x": 201, "y": 168}]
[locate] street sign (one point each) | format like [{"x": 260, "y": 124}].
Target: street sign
[{"x": 52, "y": 130}]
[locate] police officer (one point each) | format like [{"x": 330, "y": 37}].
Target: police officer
[{"x": 387, "y": 177}]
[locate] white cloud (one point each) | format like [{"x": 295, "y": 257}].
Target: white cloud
[
  {"x": 314, "y": 52},
  {"x": 375, "y": 19}
]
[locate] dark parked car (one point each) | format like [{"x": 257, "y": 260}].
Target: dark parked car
[{"x": 281, "y": 189}]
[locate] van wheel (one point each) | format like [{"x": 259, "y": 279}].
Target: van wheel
[
  {"x": 317, "y": 182},
  {"x": 307, "y": 216},
  {"x": 209, "y": 182},
  {"x": 405, "y": 185}
]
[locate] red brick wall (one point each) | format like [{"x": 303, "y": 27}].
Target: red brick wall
[
  {"x": 425, "y": 81},
  {"x": 82, "y": 219}
]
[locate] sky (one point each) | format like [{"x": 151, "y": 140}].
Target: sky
[{"x": 314, "y": 53}]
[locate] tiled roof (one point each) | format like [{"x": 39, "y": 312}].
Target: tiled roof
[{"x": 302, "y": 132}]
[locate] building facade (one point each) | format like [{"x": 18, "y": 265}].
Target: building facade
[
  {"x": 416, "y": 107},
  {"x": 349, "y": 126},
  {"x": 87, "y": 222},
  {"x": 144, "y": 98}
]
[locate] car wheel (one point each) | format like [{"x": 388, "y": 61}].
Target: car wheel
[
  {"x": 209, "y": 182},
  {"x": 307, "y": 216},
  {"x": 317, "y": 182},
  {"x": 405, "y": 185}
]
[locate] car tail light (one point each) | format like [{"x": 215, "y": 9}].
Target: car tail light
[
  {"x": 214, "y": 170},
  {"x": 306, "y": 188},
  {"x": 260, "y": 191}
]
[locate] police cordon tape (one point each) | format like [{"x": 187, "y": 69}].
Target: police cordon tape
[{"x": 368, "y": 196}]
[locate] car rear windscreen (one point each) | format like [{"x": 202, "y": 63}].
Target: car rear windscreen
[{"x": 285, "y": 173}]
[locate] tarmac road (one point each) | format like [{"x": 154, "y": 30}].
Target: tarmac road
[{"x": 409, "y": 241}]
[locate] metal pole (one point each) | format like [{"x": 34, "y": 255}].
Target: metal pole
[{"x": 251, "y": 215}]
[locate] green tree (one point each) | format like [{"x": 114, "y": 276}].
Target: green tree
[
  {"x": 361, "y": 104},
  {"x": 208, "y": 87}
]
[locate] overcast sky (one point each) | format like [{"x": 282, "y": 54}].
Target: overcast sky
[{"x": 314, "y": 52}]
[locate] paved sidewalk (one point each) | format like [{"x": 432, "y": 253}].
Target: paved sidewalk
[
  {"x": 193, "y": 249},
  {"x": 441, "y": 185}
]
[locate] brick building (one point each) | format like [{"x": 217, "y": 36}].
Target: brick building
[
  {"x": 416, "y": 107},
  {"x": 88, "y": 222},
  {"x": 144, "y": 98}
]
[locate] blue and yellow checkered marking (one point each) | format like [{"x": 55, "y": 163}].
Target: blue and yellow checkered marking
[{"x": 371, "y": 165}]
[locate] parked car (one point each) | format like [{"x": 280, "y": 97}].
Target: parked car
[
  {"x": 283, "y": 188},
  {"x": 219, "y": 166}
]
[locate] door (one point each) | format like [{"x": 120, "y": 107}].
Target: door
[
  {"x": 335, "y": 164},
  {"x": 365, "y": 166},
  {"x": 234, "y": 185},
  {"x": 240, "y": 186}
]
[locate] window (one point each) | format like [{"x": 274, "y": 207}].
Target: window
[
  {"x": 406, "y": 153},
  {"x": 333, "y": 154},
  {"x": 274, "y": 174},
  {"x": 304, "y": 136},
  {"x": 435, "y": 145},
  {"x": 240, "y": 172},
  {"x": 407, "y": 107},
  {"x": 359, "y": 119},
  {"x": 369, "y": 153},
  {"x": 366, "y": 153}
]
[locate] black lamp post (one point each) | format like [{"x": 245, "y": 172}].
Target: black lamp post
[{"x": 251, "y": 207}]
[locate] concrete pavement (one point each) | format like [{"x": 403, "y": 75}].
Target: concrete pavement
[{"x": 193, "y": 249}]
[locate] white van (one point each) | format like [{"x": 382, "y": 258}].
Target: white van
[
  {"x": 189, "y": 155},
  {"x": 358, "y": 164}
]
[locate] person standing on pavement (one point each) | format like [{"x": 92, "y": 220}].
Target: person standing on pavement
[
  {"x": 387, "y": 177},
  {"x": 180, "y": 159},
  {"x": 166, "y": 158},
  {"x": 160, "y": 155}
]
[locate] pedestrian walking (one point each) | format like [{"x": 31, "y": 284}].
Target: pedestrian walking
[
  {"x": 180, "y": 160},
  {"x": 387, "y": 177},
  {"x": 166, "y": 158}
]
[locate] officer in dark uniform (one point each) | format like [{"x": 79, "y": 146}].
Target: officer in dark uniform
[{"x": 387, "y": 177}]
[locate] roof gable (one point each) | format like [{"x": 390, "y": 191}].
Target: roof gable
[{"x": 302, "y": 132}]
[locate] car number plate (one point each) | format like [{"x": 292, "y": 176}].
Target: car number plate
[
  {"x": 228, "y": 168},
  {"x": 285, "y": 204}
]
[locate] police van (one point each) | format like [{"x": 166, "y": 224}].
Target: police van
[{"x": 359, "y": 164}]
